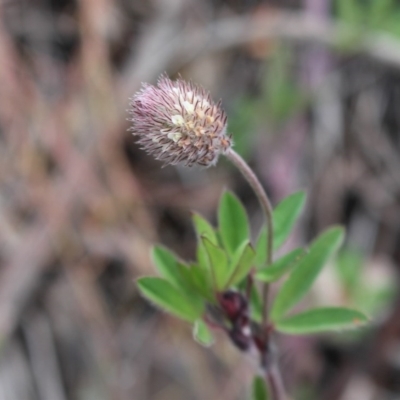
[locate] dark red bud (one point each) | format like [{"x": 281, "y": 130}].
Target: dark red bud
[
  {"x": 240, "y": 339},
  {"x": 233, "y": 304}
]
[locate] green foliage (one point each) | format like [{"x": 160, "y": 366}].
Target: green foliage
[
  {"x": 167, "y": 266},
  {"x": 218, "y": 264},
  {"x": 285, "y": 215},
  {"x": 348, "y": 267},
  {"x": 350, "y": 11},
  {"x": 203, "y": 228},
  {"x": 280, "y": 98},
  {"x": 221, "y": 288},
  {"x": 321, "y": 320},
  {"x": 366, "y": 15},
  {"x": 241, "y": 264},
  {"x": 197, "y": 283},
  {"x": 282, "y": 94},
  {"x": 202, "y": 334},
  {"x": 225, "y": 257},
  {"x": 380, "y": 12},
  {"x": 280, "y": 267},
  {"x": 258, "y": 389},
  {"x": 302, "y": 277},
  {"x": 191, "y": 281},
  {"x": 255, "y": 305},
  {"x": 166, "y": 296},
  {"x": 261, "y": 248},
  {"x": 233, "y": 224},
  {"x": 370, "y": 295}
]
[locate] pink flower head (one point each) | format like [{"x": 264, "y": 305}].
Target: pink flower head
[{"x": 177, "y": 122}]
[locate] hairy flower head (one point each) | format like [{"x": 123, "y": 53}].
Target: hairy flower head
[{"x": 177, "y": 122}]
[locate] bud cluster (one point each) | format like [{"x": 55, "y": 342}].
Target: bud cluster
[{"x": 177, "y": 122}]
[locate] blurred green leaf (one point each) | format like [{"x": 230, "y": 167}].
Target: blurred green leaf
[
  {"x": 321, "y": 320},
  {"x": 204, "y": 228},
  {"x": 348, "y": 267},
  {"x": 163, "y": 294},
  {"x": 179, "y": 275},
  {"x": 255, "y": 304},
  {"x": 374, "y": 300},
  {"x": 285, "y": 215},
  {"x": 202, "y": 256},
  {"x": 280, "y": 267},
  {"x": 167, "y": 265},
  {"x": 219, "y": 267},
  {"x": 350, "y": 11},
  {"x": 259, "y": 389},
  {"x": 379, "y": 12},
  {"x": 282, "y": 94},
  {"x": 233, "y": 224},
  {"x": 202, "y": 334},
  {"x": 304, "y": 275},
  {"x": 261, "y": 248},
  {"x": 241, "y": 263},
  {"x": 392, "y": 25},
  {"x": 197, "y": 282}
]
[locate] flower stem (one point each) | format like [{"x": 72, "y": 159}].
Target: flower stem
[
  {"x": 254, "y": 182},
  {"x": 271, "y": 369},
  {"x": 275, "y": 384}
]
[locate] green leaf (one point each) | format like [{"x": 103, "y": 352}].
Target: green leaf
[
  {"x": 350, "y": 11},
  {"x": 204, "y": 228},
  {"x": 321, "y": 320},
  {"x": 202, "y": 334},
  {"x": 166, "y": 264},
  {"x": 261, "y": 248},
  {"x": 348, "y": 267},
  {"x": 202, "y": 256},
  {"x": 233, "y": 224},
  {"x": 285, "y": 215},
  {"x": 163, "y": 294},
  {"x": 256, "y": 307},
  {"x": 218, "y": 262},
  {"x": 259, "y": 390},
  {"x": 279, "y": 267},
  {"x": 304, "y": 275},
  {"x": 380, "y": 12},
  {"x": 179, "y": 275},
  {"x": 196, "y": 282},
  {"x": 241, "y": 263}
]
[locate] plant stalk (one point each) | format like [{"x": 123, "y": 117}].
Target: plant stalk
[
  {"x": 275, "y": 384},
  {"x": 262, "y": 197},
  {"x": 272, "y": 373}
]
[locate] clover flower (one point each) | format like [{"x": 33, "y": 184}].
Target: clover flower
[{"x": 178, "y": 123}]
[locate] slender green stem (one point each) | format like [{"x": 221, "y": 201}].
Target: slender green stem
[{"x": 254, "y": 182}]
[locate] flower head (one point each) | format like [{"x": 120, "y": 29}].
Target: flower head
[{"x": 177, "y": 122}]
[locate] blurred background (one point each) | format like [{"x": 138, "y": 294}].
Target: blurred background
[{"x": 312, "y": 90}]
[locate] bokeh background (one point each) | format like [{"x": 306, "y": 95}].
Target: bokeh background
[{"x": 312, "y": 90}]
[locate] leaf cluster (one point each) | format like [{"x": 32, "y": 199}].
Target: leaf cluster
[
  {"x": 369, "y": 15},
  {"x": 227, "y": 260}
]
